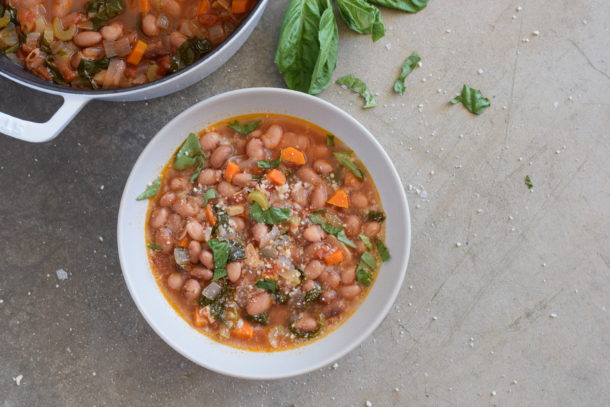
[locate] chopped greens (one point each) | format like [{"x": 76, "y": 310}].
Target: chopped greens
[
  {"x": 408, "y": 6},
  {"x": 219, "y": 303},
  {"x": 262, "y": 318},
  {"x": 151, "y": 190},
  {"x": 207, "y": 195},
  {"x": 407, "y": 67},
  {"x": 345, "y": 159},
  {"x": 316, "y": 218},
  {"x": 344, "y": 239},
  {"x": 270, "y": 163},
  {"x": 528, "y": 182},
  {"x": 190, "y": 154},
  {"x": 307, "y": 334},
  {"x": 154, "y": 246},
  {"x": 383, "y": 251},
  {"x": 365, "y": 268},
  {"x": 330, "y": 140},
  {"x": 355, "y": 84},
  {"x": 236, "y": 251},
  {"x": 270, "y": 216},
  {"x": 87, "y": 68},
  {"x": 362, "y": 17},
  {"x": 472, "y": 99},
  {"x": 9, "y": 12},
  {"x": 245, "y": 129},
  {"x": 272, "y": 287},
  {"x": 375, "y": 216},
  {"x": 189, "y": 52},
  {"x": 56, "y": 75},
  {"x": 221, "y": 251},
  {"x": 100, "y": 11},
  {"x": 366, "y": 241},
  {"x": 369, "y": 260},
  {"x": 312, "y": 295}
]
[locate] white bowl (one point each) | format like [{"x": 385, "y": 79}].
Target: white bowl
[{"x": 176, "y": 331}]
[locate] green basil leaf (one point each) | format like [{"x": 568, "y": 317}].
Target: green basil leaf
[
  {"x": 245, "y": 129},
  {"x": 87, "y": 68},
  {"x": 369, "y": 260},
  {"x": 270, "y": 164},
  {"x": 366, "y": 241},
  {"x": 362, "y": 17},
  {"x": 363, "y": 274},
  {"x": 409, "y": 6},
  {"x": 189, "y": 52},
  {"x": 207, "y": 195},
  {"x": 342, "y": 237},
  {"x": 268, "y": 285},
  {"x": 262, "y": 318},
  {"x": 189, "y": 153},
  {"x": 374, "y": 216},
  {"x": 528, "y": 182},
  {"x": 345, "y": 159},
  {"x": 200, "y": 163},
  {"x": 318, "y": 220},
  {"x": 220, "y": 250},
  {"x": 299, "y": 47},
  {"x": 472, "y": 99},
  {"x": 356, "y": 85},
  {"x": 407, "y": 67},
  {"x": 270, "y": 216},
  {"x": 56, "y": 75},
  {"x": 326, "y": 63},
  {"x": 151, "y": 190},
  {"x": 330, "y": 140},
  {"x": 100, "y": 11},
  {"x": 383, "y": 251},
  {"x": 154, "y": 246},
  {"x": 312, "y": 295}
]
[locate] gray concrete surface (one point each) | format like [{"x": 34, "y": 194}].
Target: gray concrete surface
[{"x": 517, "y": 315}]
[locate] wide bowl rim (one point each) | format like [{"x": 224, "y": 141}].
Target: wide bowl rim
[{"x": 357, "y": 339}]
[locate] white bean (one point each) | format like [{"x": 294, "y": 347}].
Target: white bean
[
  {"x": 313, "y": 233},
  {"x": 234, "y": 271}
]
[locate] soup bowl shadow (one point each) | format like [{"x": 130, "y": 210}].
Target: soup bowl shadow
[{"x": 171, "y": 327}]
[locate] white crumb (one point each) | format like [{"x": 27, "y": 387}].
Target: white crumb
[
  {"x": 61, "y": 274},
  {"x": 18, "y": 379}
]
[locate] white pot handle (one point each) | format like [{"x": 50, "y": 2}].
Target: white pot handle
[{"x": 41, "y": 132}]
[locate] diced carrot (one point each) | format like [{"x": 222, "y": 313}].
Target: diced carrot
[
  {"x": 339, "y": 199},
  {"x": 138, "y": 52},
  {"x": 240, "y": 6},
  {"x": 144, "y": 6},
  {"x": 334, "y": 258},
  {"x": 204, "y": 5},
  {"x": 231, "y": 171},
  {"x": 277, "y": 177},
  {"x": 292, "y": 156},
  {"x": 210, "y": 216},
  {"x": 199, "y": 319},
  {"x": 184, "y": 242},
  {"x": 245, "y": 332}
]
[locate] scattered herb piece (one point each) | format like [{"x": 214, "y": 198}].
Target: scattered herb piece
[
  {"x": 270, "y": 164},
  {"x": 369, "y": 260},
  {"x": 207, "y": 195},
  {"x": 528, "y": 182},
  {"x": 189, "y": 154},
  {"x": 345, "y": 159},
  {"x": 355, "y": 84},
  {"x": 330, "y": 140},
  {"x": 87, "y": 68},
  {"x": 383, "y": 251},
  {"x": 154, "y": 246},
  {"x": 262, "y": 318},
  {"x": 189, "y": 52},
  {"x": 408, "y": 6},
  {"x": 270, "y": 216},
  {"x": 344, "y": 239},
  {"x": 407, "y": 67},
  {"x": 220, "y": 250},
  {"x": 151, "y": 190},
  {"x": 246, "y": 128},
  {"x": 366, "y": 241},
  {"x": 472, "y": 99},
  {"x": 362, "y": 17},
  {"x": 326, "y": 63},
  {"x": 375, "y": 216}
]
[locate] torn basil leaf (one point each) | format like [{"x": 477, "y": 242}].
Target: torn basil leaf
[
  {"x": 245, "y": 129},
  {"x": 330, "y": 140},
  {"x": 356, "y": 85},
  {"x": 220, "y": 251},
  {"x": 362, "y": 17},
  {"x": 366, "y": 241},
  {"x": 472, "y": 99},
  {"x": 342, "y": 237},
  {"x": 407, "y": 67},
  {"x": 345, "y": 159},
  {"x": 408, "y": 6},
  {"x": 189, "y": 52},
  {"x": 153, "y": 246},
  {"x": 383, "y": 251},
  {"x": 100, "y": 11},
  {"x": 270, "y": 216},
  {"x": 87, "y": 68},
  {"x": 528, "y": 182},
  {"x": 151, "y": 191},
  {"x": 270, "y": 163},
  {"x": 326, "y": 62},
  {"x": 207, "y": 195},
  {"x": 189, "y": 154}
]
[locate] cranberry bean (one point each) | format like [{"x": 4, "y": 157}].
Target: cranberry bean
[
  {"x": 207, "y": 259},
  {"x": 149, "y": 25},
  {"x": 175, "y": 223},
  {"x": 349, "y": 291},
  {"x": 258, "y": 304},
  {"x": 209, "y": 141},
  {"x": 238, "y": 223},
  {"x": 308, "y": 285},
  {"x": 313, "y": 250},
  {"x": 289, "y": 140},
  {"x": 195, "y": 230},
  {"x": 175, "y": 281},
  {"x": 177, "y": 39},
  {"x": 348, "y": 275},
  {"x": 328, "y": 296},
  {"x": 164, "y": 238},
  {"x": 186, "y": 207},
  {"x": 273, "y": 136},
  {"x": 209, "y": 177},
  {"x": 225, "y": 189},
  {"x": 306, "y": 174},
  {"x": 259, "y": 231},
  {"x": 191, "y": 289},
  {"x": 179, "y": 183},
  {"x": 202, "y": 273},
  {"x": 331, "y": 279},
  {"x": 323, "y": 167},
  {"x": 302, "y": 142},
  {"x": 314, "y": 233},
  {"x": 87, "y": 38},
  {"x": 306, "y": 324},
  {"x": 220, "y": 155},
  {"x": 112, "y": 32},
  {"x": 351, "y": 181},
  {"x": 319, "y": 197},
  {"x": 359, "y": 201},
  {"x": 234, "y": 271},
  {"x": 335, "y": 307},
  {"x": 371, "y": 229},
  {"x": 194, "y": 251},
  {"x": 352, "y": 225},
  {"x": 158, "y": 218},
  {"x": 254, "y": 149},
  {"x": 242, "y": 179},
  {"x": 313, "y": 269},
  {"x": 300, "y": 196},
  {"x": 318, "y": 151},
  {"x": 167, "y": 199},
  {"x": 171, "y": 7}
]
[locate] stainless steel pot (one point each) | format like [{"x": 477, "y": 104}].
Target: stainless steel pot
[{"x": 76, "y": 99}]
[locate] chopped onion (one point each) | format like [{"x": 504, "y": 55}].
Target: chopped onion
[
  {"x": 212, "y": 290},
  {"x": 8, "y": 36},
  {"x": 114, "y": 75},
  {"x": 234, "y": 210},
  {"x": 32, "y": 40},
  {"x": 181, "y": 255},
  {"x": 41, "y": 24},
  {"x": 216, "y": 34},
  {"x": 292, "y": 276},
  {"x": 122, "y": 47}
]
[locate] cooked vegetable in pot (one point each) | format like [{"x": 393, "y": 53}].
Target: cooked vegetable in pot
[
  {"x": 108, "y": 44},
  {"x": 265, "y": 232}
]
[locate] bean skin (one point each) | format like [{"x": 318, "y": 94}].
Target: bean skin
[
  {"x": 300, "y": 196},
  {"x": 167, "y": 199},
  {"x": 164, "y": 238},
  {"x": 348, "y": 275},
  {"x": 220, "y": 155},
  {"x": 234, "y": 271},
  {"x": 171, "y": 7},
  {"x": 175, "y": 223},
  {"x": 209, "y": 141},
  {"x": 195, "y": 230},
  {"x": 179, "y": 184},
  {"x": 332, "y": 280},
  {"x": 87, "y": 38},
  {"x": 238, "y": 223},
  {"x": 159, "y": 217},
  {"x": 351, "y": 181},
  {"x": 319, "y": 196},
  {"x": 306, "y": 174},
  {"x": 302, "y": 142},
  {"x": 194, "y": 251},
  {"x": 112, "y": 32},
  {"x": 207, "y": 258},
  {"x": 371, "y": 229},
  {"x": 359, "y": 201},
  {"x": 186, "y": 207},
  {"x": 202, "y": 273},
  {"x": 225, "y": 189},
  {"x": 258, "y": 304},
  {"x": 175, "y": 281},
  {"x": 350, "y": 291},
  {"x": 318, "y": 151},
  {"x": 271, "y": 139},
  {"x": 254, "y": 149},
  {"x": 323, "y": 167},
  {"x": 259, "y": 231},
  {"x": 209, "y": 177},
  {"x": 191, "y": 289},
  {"x": 242, "y": 179},
  {"x": 306, "y": 324},
  {"x": 352, "y": 225},
  {"x": 313, "y": 269},
  {"x": 313, "y": 233}
]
